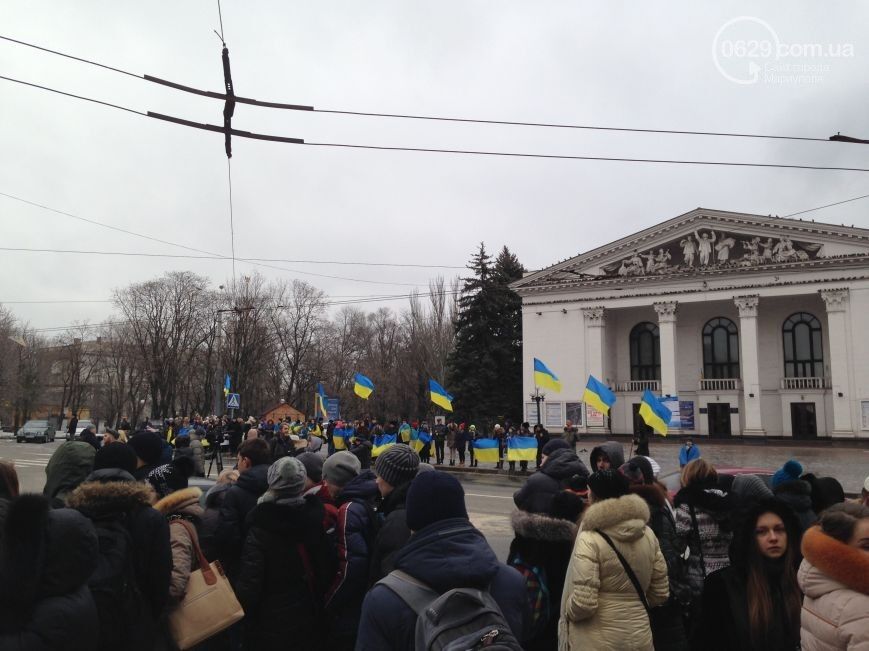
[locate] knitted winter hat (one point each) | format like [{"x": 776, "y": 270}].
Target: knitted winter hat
[
  {"x": 432, "y": 497},
  {"x": 341, "y": 467},
  {"x": 791, "y": 471},
  {"x": 638, "y": 471},
  {"x": 116, "y": 455},
  {"x": 313, "y": 466},
  {"x": 553, "y": 445},
  {"x": 398, "y": 465},
  {"x": 147, "y": 447},
  {"x": 286, "y": 476},
  {"x": 750, "y": 487},
  {"x": 171, "y": 477},
  {"x": 826, "y": 491},
  {"x": 606, "y": 484}
]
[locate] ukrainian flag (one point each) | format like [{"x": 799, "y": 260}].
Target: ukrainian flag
[
  {"x": 382, "y": 442},
  {"x": 545, "y": 378},
  {"x": 406, "y": 432},
  {"x": 320, "y": 402},
  {"x": 340, "y": 436},
  {"x": 598, "y": 395},
  {"x": 362, "y": 386},
  {"x": 522, "y": 448},
  {"x": 654, "y": 413},
  {"x": 439, "y": 395},
  {"x": 226, "y": 385},
  {"x": 420, "y": 439},
  {"x": 486, "y": 450}
]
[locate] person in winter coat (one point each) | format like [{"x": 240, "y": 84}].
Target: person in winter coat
[
  {"x": 46, "y": 558},
  {"x": 570, "y": 435},
  {"x": 8, "y": 489},
  {"x": 181, "y": 506},
  {"x": 607, "y": 456},
  {"x": 286, "y": 565},
  {"x": 110, "y": 492},
  {"x": 437, "y": 516},
  {"x": 66, "y": 469},
  {"x": 89, "y": 436},
  {"x": 361, "y": 448},
  {"x": 688, "y": 452},
  {"x": 826, "y": 491},
  {"x": 834, "y": 576},
  {"x": 746, "y": 489},
  {"x": 211, "y": 512},
  {"x": 354, "y": 491},
  {"x": 149, "y": 451},
  {"x": 281, "y": 445},
  {"x": 395, "y": 469},
  {"x": 254, "y": 460},
  {"x": 703, "y": 527},
  {"x": 541, "y": 550},
  {"x": 754, "y": 603},
  {"x": 316, "y": 487},
  {"x": 452, "y": 436},
  {"x": 560, "y": 465},
  {"x": 600, "y": 608},
  {"x": 440, "y": 438},
  {"x": 670, "y": 634},
  {"x": 542, "y": 436},
  {"x": 795, "y": 492}
]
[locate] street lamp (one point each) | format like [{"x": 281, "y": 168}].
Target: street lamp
[{"x": 538, "y": 397}]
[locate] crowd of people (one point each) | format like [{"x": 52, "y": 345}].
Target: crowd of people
[{"x": 330, "y": 549}]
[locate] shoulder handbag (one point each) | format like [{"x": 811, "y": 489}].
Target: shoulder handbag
[{"x": 209, "y": 605}]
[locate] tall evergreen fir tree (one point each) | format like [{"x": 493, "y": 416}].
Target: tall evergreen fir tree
[{"x": 485, "y": 367}]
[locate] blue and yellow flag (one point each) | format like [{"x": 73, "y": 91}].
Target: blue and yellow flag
[
  {"x": 406, "y": 432},
  {"x": 381, "y": 442},
  {"x": 340, "y": 436},
  {"x": 486, "y": 450},
  {"x": 362, "y": 386},
  {"x": 320, "y": 402},
  {"x": 598, "y": 395},
  {"x": 420, "y": 439},
  {"x": 654, "y": 413},
  {"x": 226, "y": 385},
  {"x": 522, "y": 448},
  {"x": 545, "y": 378},
  {"x": 439, "y": 395}
]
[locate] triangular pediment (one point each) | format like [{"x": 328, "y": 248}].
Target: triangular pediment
[{"x": 708, "y": 241}]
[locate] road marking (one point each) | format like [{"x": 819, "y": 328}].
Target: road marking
[{"x": 497, "y": 497}]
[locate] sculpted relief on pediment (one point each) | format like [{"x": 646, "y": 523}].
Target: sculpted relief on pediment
[{"x": 707, "y": 249}]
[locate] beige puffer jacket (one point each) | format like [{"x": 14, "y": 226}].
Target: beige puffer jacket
[
  {"x": 835, "y": 580},
  {"x": 182, "y": 503},
  {"x": 600, "y": 608}
]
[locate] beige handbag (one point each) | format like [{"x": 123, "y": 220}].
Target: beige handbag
[{"x": 209, "y": 605}]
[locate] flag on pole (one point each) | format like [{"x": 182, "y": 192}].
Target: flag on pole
[
  {"x": 381, "y": 443},
  {"x": 545, "y": 378},
  {"x": 486, "y": 450},
  {"x": 439, "y": 395},
  {"x": 362, "y": 386},
  {"x": 320, "y": 402},
  {"x": 654, "y": 413},
  {"x": 521, "y": 448},
  {"x": 226, "y": 385},
  {"x": 420, "y": 439},
  {"x": 598, "y": 395},
  {"x": 340, "y": 436}
]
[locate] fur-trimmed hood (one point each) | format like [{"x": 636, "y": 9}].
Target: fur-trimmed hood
[
  {"x": 831, "y": 565},
  {"x": 181, "y": 501},
  {"x": 623, "y": 518},
  {"x": 94, "y": 498},
  {"x": 538, "y": 526}
]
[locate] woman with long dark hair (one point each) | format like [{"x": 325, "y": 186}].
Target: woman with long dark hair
[{"x": 754, "y": 604}]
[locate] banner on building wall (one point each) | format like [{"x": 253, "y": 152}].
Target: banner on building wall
[
  {"x": 593, "y": 417},
  {"x": 682, "y": 412},
  {"x": 574, "y": 413}
]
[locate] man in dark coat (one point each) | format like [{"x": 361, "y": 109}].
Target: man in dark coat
[
  {"x": 560, "y": 466},
  {"x": 149, "y": 449},
  {"x": 47, "y": 557},
  {"x": 89, "y": 436},
  {"x": 607, "y": 456},
  {"x": 254, "y": 459},
  {"x": 445, "y": 552},
  {"x": 66, "y": 469},
  {"x": 395, "y": 469}
]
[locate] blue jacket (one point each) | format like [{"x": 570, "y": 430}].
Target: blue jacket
[
  {"x": 687, "y": 455},
  {"x": 445, "y": 555}
]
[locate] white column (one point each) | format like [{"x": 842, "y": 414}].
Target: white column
[
  {"x": 748, "y": 361},
  {"x": 595, "y": 322},
  {"x": 837, "y": 301},
  {"x": 667, "y": 331}
]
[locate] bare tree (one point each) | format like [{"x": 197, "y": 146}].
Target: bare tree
[
  {"x": 121, "y": 384},
  {"x": 76, "y": 364}
]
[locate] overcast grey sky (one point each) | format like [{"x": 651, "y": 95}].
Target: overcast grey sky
[{"x": 645, "y": 65}]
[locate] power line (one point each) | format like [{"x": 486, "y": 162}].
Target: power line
[
  {"x": 838, "y": 203},
  {"x": 408, "y": 116},
  {"x": 81, "y": 97},
  {"x": 229, "y": 174},
  {"x": 297, "y": 141}
]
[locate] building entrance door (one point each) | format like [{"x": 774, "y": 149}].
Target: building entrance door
[
  {"x": 719, "y": 420},
  {"x": 804, "y": 423}
]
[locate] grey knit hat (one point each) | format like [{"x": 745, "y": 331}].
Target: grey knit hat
[
  {"x": 286, "y": 477},
  {"x": 313, "y": 466},
  {"x": 341, "y": 467},
  {"x": 398, "y": 465},
  {"x": 750, "y": 487}
]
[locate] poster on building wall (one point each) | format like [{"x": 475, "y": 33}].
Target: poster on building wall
[
  {"x": 864, "y": 408},
  {"x": 553, "y": 415},
  {"x": 686, "y": 414},
  {"x": 672, "y": 403},
  {"x": 574, "y": 413},
  {"x": 593, "y": 417},
  {"x": 531, "y": 413}
]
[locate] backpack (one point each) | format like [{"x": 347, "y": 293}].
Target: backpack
[
  {"x": 119, "y": 602},
  {"x": 460, "y": 619},
  {"x": 537, "y": 589}
]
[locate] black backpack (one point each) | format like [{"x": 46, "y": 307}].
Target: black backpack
[
  {"x": 113, "y": 585},
  {"x": 461, "y": 619}
]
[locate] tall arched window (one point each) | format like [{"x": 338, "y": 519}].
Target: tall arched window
[
  {"x": 804, "y": 352},
  {"x": 645, "y": 352},
  {"x": 720, "y": 349}
]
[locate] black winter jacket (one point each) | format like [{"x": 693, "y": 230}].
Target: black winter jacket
[
  {"x": 240, "y": 500},
  {"x": 46, "y": 558},
  {"x": 537, "y": 493},
  {"x": 613, "y": 450},
  {"x": 280, "y": 592},
  {"x": 444, "y": 555},
  {"x": 393, "y": 534},
  {"x": 798, "y": 495}
]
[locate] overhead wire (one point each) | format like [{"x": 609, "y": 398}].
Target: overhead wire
[{"x": 829, "y": 205}]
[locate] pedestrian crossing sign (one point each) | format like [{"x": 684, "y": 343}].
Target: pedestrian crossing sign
[{"x": 233, "y": 401}]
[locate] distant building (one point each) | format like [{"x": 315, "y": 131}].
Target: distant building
[
  {"x": 755, "y": 325},
  {"x": 282, "y": 410}
]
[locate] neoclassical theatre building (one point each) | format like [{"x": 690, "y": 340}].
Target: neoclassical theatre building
[{"x": 751, "y": 325}]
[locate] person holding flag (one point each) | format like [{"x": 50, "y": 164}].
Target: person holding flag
[
  {"x": 362, "y": 386},
  {"x": 522, "y": 448},
  {"x": 654, "y": 413},
  {"x": 486, "y": 450}
]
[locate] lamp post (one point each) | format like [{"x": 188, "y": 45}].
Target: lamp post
[{"x": 538, "y": 397}]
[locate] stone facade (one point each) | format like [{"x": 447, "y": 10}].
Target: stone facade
[{"x": 753, "y": 323}]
